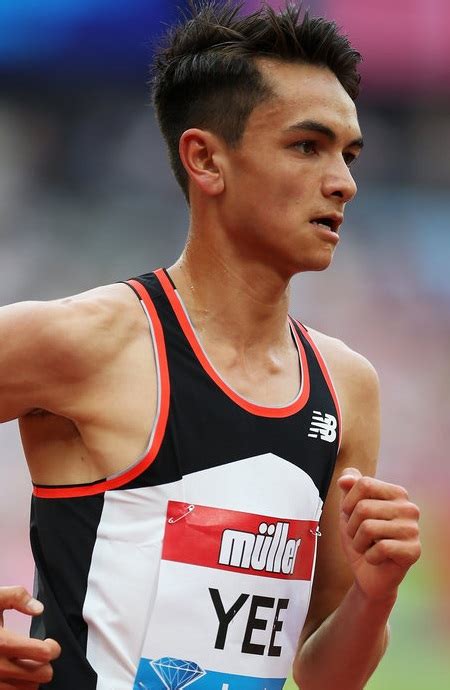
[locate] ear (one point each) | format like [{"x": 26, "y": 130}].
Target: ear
[{"x": 200, "y": 152}]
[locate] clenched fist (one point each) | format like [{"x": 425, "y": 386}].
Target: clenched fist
[{"x": 379, "y": 532}]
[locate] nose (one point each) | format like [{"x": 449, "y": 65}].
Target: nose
[{"x": 339, "y": 182}]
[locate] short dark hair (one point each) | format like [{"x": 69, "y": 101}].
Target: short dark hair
[{"x": 205, "y": 75}]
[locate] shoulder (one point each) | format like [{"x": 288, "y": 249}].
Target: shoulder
[
  {"x": 61, "y": 347},
  {"x": 356, "y": 382},
  {"x": 348, "y": 369},
  {"x": 79, "y": 333},
  {"x": 100, "y": 309}
]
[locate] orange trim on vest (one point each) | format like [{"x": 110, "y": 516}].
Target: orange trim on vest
[
  {"x": 253, "y": 408},
  {"x": 158, "y": 434},
  {"x": 327, "y": 377}
]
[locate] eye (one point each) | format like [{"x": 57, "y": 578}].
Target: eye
[
  {"x": 306, "y": 147},
  {"x": 349, "y": 158}
]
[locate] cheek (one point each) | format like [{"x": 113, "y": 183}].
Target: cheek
[
  {"x": 289, "y": 184},
  {"x": 287, "y": 197},
  {"x": 270, "y": 188}
]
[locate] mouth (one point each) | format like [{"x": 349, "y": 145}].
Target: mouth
[{"x": 331, "y": 222}]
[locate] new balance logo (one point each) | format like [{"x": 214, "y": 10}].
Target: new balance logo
[{"x": 324, "y": 426}]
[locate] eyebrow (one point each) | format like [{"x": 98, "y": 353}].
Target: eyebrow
[{"x": 314, "y": 126}]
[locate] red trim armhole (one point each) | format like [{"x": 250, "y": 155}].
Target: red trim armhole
[
  {"x": 253, "y": 408},
  {"x": 131, "y": 473},
  {"x": 327, "y": 376}
]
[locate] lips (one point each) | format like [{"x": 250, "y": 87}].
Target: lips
[{"x": 329, "y": 222}]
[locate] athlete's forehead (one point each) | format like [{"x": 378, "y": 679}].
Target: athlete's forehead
[{"x": 304, "y": 93}]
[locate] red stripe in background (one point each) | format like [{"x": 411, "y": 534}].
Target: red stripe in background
[{"x": 196, "y": 534}]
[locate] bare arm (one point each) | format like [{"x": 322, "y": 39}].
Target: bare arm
[
  {"x": 370, "y": 539},
  {"x": 50, "y": 349},
  {"x": 50, "y": 356},
  {"x": 33, "y": 363},
  {"x": 32, "y": 374}
]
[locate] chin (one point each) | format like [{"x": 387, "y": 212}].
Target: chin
[{"x": 316, "y": 264}]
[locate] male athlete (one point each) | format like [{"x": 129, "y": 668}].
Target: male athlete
[{"x": 182, "y": 431}]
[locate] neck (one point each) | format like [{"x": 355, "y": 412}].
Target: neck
[{"x": 229, "y": 297}]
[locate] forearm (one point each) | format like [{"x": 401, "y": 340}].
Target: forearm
[{"x": 345, "y": 650}]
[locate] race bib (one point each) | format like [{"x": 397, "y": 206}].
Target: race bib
[{"x": 233, "y": 593}]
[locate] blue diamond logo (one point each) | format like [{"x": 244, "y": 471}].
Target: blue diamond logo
[{"x": 176, "y": 673}]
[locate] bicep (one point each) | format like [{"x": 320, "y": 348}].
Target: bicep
[
  {"x": 21, "y": 327},
  {"x": 360, "y": 446},
  {"x": 40, "y": 356}
]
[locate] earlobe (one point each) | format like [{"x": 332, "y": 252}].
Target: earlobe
[{"x": 199, "y": 153}]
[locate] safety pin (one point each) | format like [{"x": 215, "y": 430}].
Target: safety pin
[
  {"x": 172, "y": 520},
  {"x": 316, "y": 532}
]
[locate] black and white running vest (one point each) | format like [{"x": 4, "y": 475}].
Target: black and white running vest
[{"x": 194, "y": 566}]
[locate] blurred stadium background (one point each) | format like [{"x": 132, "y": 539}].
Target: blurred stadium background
[{"x": 87, "y": 198}]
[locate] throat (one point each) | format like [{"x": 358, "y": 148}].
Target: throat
[{"x": 267, "y": 379}]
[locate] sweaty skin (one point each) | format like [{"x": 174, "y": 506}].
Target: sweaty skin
[{"x": 87, "y": 391}]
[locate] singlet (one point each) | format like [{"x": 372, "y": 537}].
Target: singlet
[{"x": 194, "y": 566}]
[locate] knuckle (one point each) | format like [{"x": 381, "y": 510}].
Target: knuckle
[
  {"x": 408, "y": 510},
  {"x": 45, "y": 655},
  {"x": 411, "y": 531},
  {"x": 365, "y": 484},
  {"x": 362, "y": 510},
  {"x": 383, "y": 548},
  {"x": 53, "y": 648},
  {"x": 367, "y": 528},
  {"x": 414, "y": 511},
  {"x": 18, "y": 595},
  {"x": 47, "y": 673},
  {"x": 20, "y": 592},
  {"x": 413, "y": 554},
  {"x": 402, "y": 493}
]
